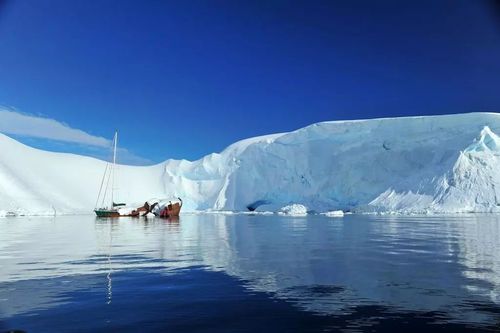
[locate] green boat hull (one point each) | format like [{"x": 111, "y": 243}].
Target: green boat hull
[{"x": 106, "y": 213}]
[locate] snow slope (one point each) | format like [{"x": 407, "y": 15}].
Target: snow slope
[{"x": 442, "y": 164}]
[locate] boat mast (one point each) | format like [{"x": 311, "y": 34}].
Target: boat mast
[{"x": 115, "y": 140}]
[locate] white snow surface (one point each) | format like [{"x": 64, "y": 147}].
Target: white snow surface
[{"x": 433, "y": 164}]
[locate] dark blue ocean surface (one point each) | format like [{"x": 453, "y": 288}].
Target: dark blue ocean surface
[{"x": 251, "y": 273}]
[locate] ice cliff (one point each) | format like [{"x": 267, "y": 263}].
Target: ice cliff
[{"x": 435, "y": 164}]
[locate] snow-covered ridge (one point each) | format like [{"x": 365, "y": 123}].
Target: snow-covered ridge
[{"x": 441, "y": 164}]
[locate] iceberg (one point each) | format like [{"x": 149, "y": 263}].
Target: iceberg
[{"x": 408, "y": 165}]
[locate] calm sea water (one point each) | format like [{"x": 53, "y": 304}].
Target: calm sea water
[{"x": 244, "y": 273}]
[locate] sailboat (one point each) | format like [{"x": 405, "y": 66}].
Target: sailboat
[
  {"x": 161, "y": 208},
  {"x": 112, "y": 210}
]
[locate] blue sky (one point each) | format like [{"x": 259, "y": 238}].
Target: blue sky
[{"x": 181, "y": 79}]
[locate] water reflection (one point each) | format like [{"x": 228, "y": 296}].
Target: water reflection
[
  {"x": 479, "y": 252},
  {"x": 444, "y": 265}
]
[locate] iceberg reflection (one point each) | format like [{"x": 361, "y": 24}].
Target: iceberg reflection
[{"x": 324, "y": 265}]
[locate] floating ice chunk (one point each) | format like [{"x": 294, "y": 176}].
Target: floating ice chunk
[
  {"x": 258, "y": 213},
  {"x": 293, "y": 210},
  {"x": 334, "y": 213},
  {"x": 125, "y": 210},
  {"x": 219, "y": 212}
]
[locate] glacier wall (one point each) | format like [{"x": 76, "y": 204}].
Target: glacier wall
[{"x": 433, "y": 164}]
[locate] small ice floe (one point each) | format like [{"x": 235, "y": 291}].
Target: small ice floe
[
  {"x": 125, "y": 211},
  {"x": 150, "y": 215},
  {"x": 293, "y": 210},
  {"x": 221, "y": 212},
  {"x": 215, "y": 212},
  {"x": 265, "y": 212},
  {"x": 5, "y": 213},
  {"x": 334, "y": 213}
]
